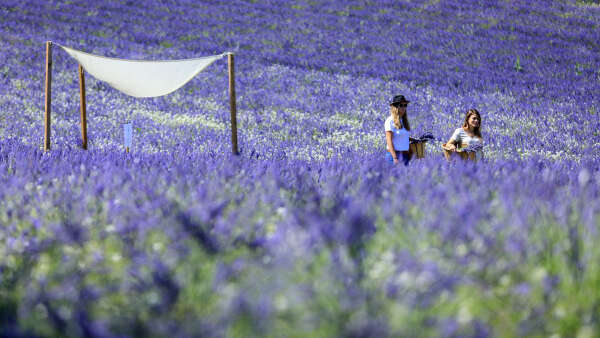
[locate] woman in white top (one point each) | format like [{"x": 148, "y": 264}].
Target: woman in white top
[
  {"x": 397, "y": 131},
  {"x": 469, "y": 135}
]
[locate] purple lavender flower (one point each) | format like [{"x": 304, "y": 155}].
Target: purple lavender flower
[{"x": 307, "y": 232}]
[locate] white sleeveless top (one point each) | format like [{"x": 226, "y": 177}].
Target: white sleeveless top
[{"x": 399, "y": 136}]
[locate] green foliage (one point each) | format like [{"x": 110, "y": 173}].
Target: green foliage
[
  {"x": 518, "y": 66},
  {"x": 594, "y": 3},
  {"x": 166, "y": 44}
]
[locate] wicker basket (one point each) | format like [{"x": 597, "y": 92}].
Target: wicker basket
[
  {"x": 462, "y": 154},
  {"x": 418, "y": 148}
]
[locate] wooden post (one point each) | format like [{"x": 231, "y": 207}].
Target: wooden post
[
  {"x": 234, "y": 145},
  {"x": 82, "y": 108},
  {"x": 48, "y": 95}
]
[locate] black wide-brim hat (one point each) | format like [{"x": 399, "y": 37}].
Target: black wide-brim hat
[{"x": 399, "y": 99}]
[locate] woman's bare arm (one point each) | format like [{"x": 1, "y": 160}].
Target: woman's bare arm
[
  {"x": 451, "y": 144},
  {"x": 390, "y": 145}
]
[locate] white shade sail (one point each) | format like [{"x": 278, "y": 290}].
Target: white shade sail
[{"x": 142, "y": 78}]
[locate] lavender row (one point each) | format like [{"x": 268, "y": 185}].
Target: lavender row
[
  {"x": 308, "y": 232},
  {"x": 505, "y": 45}
]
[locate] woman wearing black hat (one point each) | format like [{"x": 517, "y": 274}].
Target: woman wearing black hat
[{"x": 397, "y": 131}]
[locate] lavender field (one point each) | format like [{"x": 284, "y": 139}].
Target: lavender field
[{"x": 308, "y": 232}]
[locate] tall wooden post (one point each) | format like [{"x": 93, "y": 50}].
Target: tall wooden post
[
  {"x": 48, "y": 95},
  {"x": 234, "y": 145},
  {"x": 82, "y": 108}
]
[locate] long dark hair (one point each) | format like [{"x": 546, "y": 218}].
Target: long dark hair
[{"x": 476, "y": 131}]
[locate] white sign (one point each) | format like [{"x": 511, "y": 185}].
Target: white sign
[{"x": 128, "y": 134}]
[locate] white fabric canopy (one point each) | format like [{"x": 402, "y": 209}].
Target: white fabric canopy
[{"x": 142, "y": 78}]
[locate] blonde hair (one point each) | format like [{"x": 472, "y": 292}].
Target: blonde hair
[{"x": 396, "y": 116}]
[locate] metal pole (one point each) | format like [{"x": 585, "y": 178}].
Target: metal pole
[
  {"x": 234, "y": 145},
  {"x": 82, "y": 108},
  {"x": 48, "y": 95}
]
